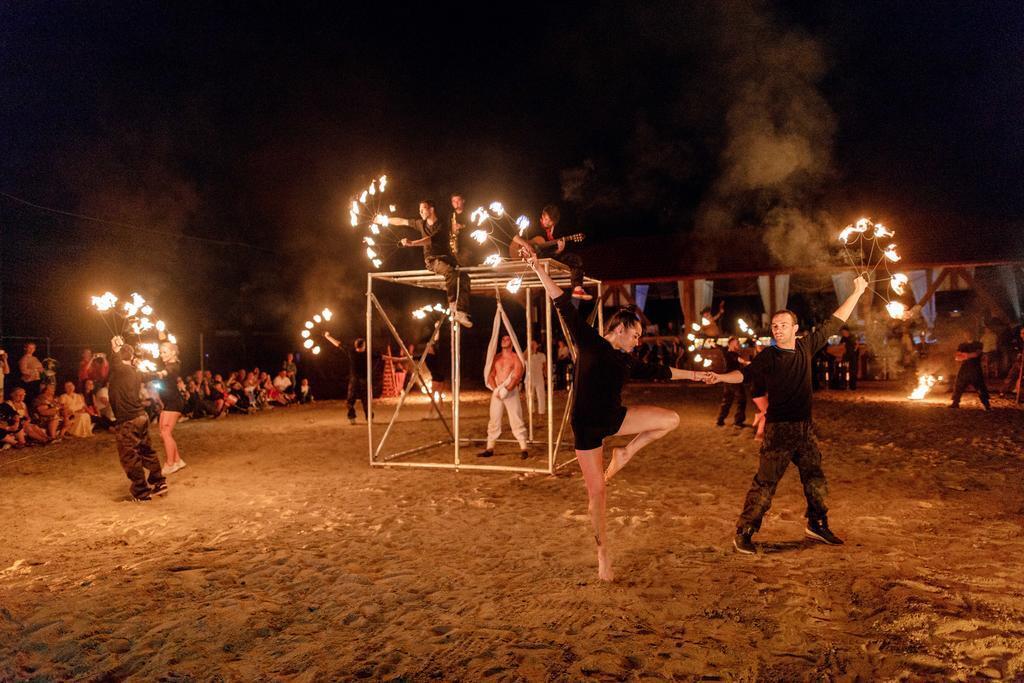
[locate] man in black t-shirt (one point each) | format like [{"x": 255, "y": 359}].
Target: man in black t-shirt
[
  {"x": 438, "y": 257},
  {"x": 549, "y": 231},
  {"x": 786, "y": 371},
  {"x": 968, "y": 354},
  {"x": 733, "y": 392}
]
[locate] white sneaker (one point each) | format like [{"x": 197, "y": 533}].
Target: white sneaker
[
  {"x": 462, "y": 318},
  {"x": 180, "y": 465}
]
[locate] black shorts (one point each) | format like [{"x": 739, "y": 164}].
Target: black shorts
[{"x": 590, "y": 434}]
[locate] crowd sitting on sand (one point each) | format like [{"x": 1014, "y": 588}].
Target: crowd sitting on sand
[{"x": 37, "y": 408}]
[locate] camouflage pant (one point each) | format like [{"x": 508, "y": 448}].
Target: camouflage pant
[
  {"x": 783, "y": 442},
  {"x": 135, "y": 453}
]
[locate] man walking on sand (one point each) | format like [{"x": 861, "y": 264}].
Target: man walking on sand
[{"x": 789, "y": 435}]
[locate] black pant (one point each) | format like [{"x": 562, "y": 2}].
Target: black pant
[
  {"x": 785, "y": 442},
  {"x": 731, "y": 392},
  {"x": 32, "y": 390},
  {"x": 970, "y": 375},
  {"x": 357, "y": 392},
  {"x": 135, "y": 453},
  {"x": 456, "y": 283},
  {"x": 853, "y": 364}
]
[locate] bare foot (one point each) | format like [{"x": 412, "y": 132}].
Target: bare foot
[
  {"x": 604, "y": 566},
  {"x": 618, "y": 460}
]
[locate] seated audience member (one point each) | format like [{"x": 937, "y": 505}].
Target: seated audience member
[
  {"x": 76, "y": 415},
  {"x": 91, "y": 406},
  {"x": 12, "y": 432},
  {"x": 33, "y": 432},
  {"x": 284, "y": 385},
  {"x": 274, "y": 395},
  {"x": 48, "y": 414},
  {"x": 305, "y": 393},
  {"x": 218, "y": 396}
]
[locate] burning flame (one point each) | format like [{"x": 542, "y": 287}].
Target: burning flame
[
  {"x": 308, "y": 343},
  {"x": 523, "y": 222},
  {"x": 514, "y": 284},
  {"x": 316, "y": 350},
  {"x": 493, "y": 260},
  {"x": 882, "y": 231},
  {"x": 862, "y": 225},
  {"x": 305, "y": 334},
  {"x": 695, "y": 327},
  {"x": 497, "y": 208},
  {"x": 896, "y": 310},
  {"x": 479, "y": 216},
  {"x": 377, "y": 263},
  {"x": 924, "y": 385},
  {"x": 479, "y": 235},
  {"x": 890, "y": 253},
  {"x": 327, "y": 314},
  {"x": 898, "y": 282},
  {"x": 104, "y": 302},
  {"x": 844, "y": 236}
]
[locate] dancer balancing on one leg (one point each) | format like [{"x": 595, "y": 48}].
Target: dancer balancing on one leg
[
  {"x": 786, "y": 372},
  {"x": 602, "y": 367}
]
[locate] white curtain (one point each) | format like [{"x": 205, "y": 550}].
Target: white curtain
[
  {"x": 843, "y": 283},
  {"x": 640, "y": 295},
  {"x": 919, "y": 285},
  {"x": 703, "y": 291},
  {"x": 1008, "y": 276},
  {"x": 682, "y": 297},
  {"x": 781, "y": 294}
]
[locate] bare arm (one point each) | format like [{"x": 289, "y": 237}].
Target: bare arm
[
  {"x": 328, "y": 337},
  {"x": 734, "y": 377},
  {"x": 846, "y": 308},
  {"x": 553, "y": 290},
  {"x": 406, "y": 242},
  {"x": 398, "y": 221},
  {"x": 687, "y": 374}
]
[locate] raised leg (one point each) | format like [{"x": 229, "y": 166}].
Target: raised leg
[{"x": 649, "y": 423}]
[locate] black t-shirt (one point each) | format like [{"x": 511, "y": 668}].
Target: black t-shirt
[
  {"x": 124, "y": 388},
  {"x": 438, "y": 234},
  {"x": 168, "y": 390},
  {"x": 600, "y": 370},
  {"x": 538, "y": 230},
  {"x": 971, "y": 363},
  {"x": 787, "y": 374},
  {"x": 851, "y": 346},
  {"x": 357, "y": 364}
]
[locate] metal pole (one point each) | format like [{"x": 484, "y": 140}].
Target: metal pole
[
  {"x": 600, "y": 311},
  {"x": 529, "y": 357},
  {"x": 550, "y": 397},
  {"x": 369, "y": 364},
  {"x": 456, "y": 382}
]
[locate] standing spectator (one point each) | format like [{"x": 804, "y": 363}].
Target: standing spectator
[
  {"x": 851, "y": 354},
  {"x": 5, "y": 369},
  {"x": 563, "y": 364},
  {"x": 48, "y": 413},
  {"x": 968, "y": 354},
  {"x": 291, "y": 368},
  {"x": 1013, "y": 377},
  {"x": 76, "y": 414},
  {"x": 538, "y": 375},
  {"x": 31, "y": 372},
  {"x": 733, "y": 392},
  {"x": 133, "y": 448},
  {"x": 84, "y": 367}
]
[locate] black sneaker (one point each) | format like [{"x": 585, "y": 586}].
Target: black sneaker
[
  {"x": 523, "y": 455},
  {"x": 743, "y": 544},
  {"x": 143, "y": 497},
  {"x": 819, "y": 531},
  {"x": 351, "y": 420},
  {"x": 485, "y": 454},
  {"x": 159, "y": 489}
]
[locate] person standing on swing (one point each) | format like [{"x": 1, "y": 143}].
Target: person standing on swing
[
  {"x": 503, "y": 380},
  {"x": 602, "y": 367}
]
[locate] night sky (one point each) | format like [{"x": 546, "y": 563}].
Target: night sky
[{"x": 254, "y": 124}]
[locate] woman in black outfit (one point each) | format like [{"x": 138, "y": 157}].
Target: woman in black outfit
[
  {"x": 173, "y": 406},
  {"x": 603, "y": 364}
]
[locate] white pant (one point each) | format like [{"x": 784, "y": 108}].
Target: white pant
[
  {"x": 515, "y": 418},
  {"x": 538, "y": 389}
]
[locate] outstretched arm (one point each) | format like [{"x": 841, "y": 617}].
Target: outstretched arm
[
  {"x": 845, "y": 309},
  {"x": 553, "y": 290},
  {"x": 328, "y": 337}
]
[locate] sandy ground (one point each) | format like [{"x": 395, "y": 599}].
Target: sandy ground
[{"x": 279, "y": 554}]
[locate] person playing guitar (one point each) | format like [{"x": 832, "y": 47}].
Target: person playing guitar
[{"x": 548, "y": 241}]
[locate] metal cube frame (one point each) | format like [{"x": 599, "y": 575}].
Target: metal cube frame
[{"x": 482, "y": 279}]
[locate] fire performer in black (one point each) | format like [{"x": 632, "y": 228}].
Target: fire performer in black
[
  {"x": 356, "y": 376},
  {"x": 789, "y": 434},
  {"x": 968, "y": 354},
  {"x": 132, "y": 427},
  {"x": 547, "y": 241},
  {"x": 602, "y": 367},
  {"x": 438, "y": 257},
  {"x": 733, "y": 392}
]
